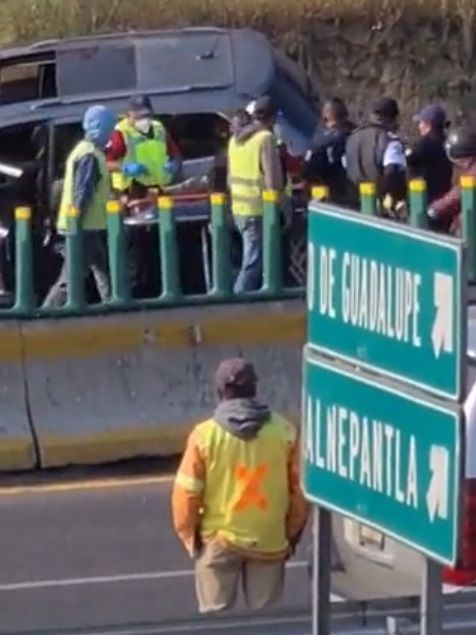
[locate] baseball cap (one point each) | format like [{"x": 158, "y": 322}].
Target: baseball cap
[
  {"x": 140, "y": 105},
  {"x": 264, "y": 107},
  {"x": 433, "y": 115},
  {"x": 235, "y": 372},
  {"x": 386, "y": 107}
]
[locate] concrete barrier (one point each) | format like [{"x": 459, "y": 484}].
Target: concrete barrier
[
  {"x": 113, "y": 387},
  {"x": 17, "y": 447}
]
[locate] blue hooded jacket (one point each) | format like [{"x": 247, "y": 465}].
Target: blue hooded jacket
[{"x": 98, "y": 126}]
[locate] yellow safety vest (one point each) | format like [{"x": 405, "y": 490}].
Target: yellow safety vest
[
  {"x": 149, "y": 151},
  {"x": 246, "y": 177},
  {"x": 246, "y": 490},
  {"x": 94, "y": 217}
]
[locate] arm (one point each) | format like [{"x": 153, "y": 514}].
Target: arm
[
  {"x": 115, "y": 151},
  {"x": 173, "y": 149},
  {"x": 187, "y": 495},
  {"x": 86, "y": 177},
  {"x": 298, "y": 507},
  {"x": 448, "y": 206},
  {"x": 271, "y": 165}
]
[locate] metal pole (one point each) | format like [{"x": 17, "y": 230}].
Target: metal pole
[
  {"x": 120, "y": 282},
  {"x": 368, "y": 200},
  {"x": 431, "y": 602},
  {"x": 221, "y": 263},
  {"x": 169, "y": 263},
  {"x": 319, "y": 193},
  {"x": 24, "y": 295},
  {"x": 418, "y": 204},
  {"x": 75, "y": 261},
  {"x": 272, "y": 260},
  {"x": 321, "y": 572}
]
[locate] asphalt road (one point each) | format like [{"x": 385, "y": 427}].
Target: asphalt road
[{"x": 94, "y": 555}]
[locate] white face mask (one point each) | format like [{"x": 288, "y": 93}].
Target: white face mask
[{"x": 143, "y": 125}]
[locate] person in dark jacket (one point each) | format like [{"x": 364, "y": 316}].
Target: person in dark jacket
[
  {"x": 461, "y": 148},
  {"x": 325, "y": 163},
  {"x": 427, "y": 157},
  {"x": 375, "y": 154}
]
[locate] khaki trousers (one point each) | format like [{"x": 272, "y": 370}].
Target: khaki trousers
[{"x": 219, "y": 570}]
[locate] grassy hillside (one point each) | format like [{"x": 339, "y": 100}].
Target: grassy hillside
[{"x": 414, "y": 49}]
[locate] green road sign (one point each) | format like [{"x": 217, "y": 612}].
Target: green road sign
[
  {"x": 383, "y": 457},
  {"x": 387, "y": 297}
]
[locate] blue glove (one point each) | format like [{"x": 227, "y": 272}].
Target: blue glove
[
  {"x": 133, "y": 170},
  {"x": 171, "y": 167}
]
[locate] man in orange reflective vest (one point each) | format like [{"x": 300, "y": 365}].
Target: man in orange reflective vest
[{"x": 237, "y": 504}]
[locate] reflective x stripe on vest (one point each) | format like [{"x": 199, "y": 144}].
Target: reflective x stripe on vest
[
  {"x": 95, "y": 216},
  {"x": 151, "y": 152},
  {"x": 246, "y": 178},
  {"x": 246, "y": 493}
]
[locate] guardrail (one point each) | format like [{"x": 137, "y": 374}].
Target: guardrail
[
  {"x": 168, "y": 260},
  {"x": 395, "y": 616},
  {"x": 169, "y": 255}
]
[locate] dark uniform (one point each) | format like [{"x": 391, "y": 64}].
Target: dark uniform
[
  {"x": 325, "y": 165},
  {"x": 427, "y": 158},
  {"x": 375, "y": 154}
]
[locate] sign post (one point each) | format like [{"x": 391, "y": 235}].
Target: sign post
[{"x": 384, "y": 375}]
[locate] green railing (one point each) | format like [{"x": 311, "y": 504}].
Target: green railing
[
  {"x": 168, "y": 256},
  {"x": 168, "y": 261}
]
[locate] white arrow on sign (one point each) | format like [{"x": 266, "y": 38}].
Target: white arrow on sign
[
  {"x": 437, "y": 494},
  {"x": 442, "y": 332}
]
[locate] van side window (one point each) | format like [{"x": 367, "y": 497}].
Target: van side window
[{"x": 27, "y": 80}]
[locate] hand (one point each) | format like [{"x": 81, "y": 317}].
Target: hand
[
  {"x": 133, "y": 170},
  {"x": 171, "y": 167}
]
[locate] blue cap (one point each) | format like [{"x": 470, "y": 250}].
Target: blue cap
[
  {"x": 140, "y": 105},
  {"x": 433, "y": 115}
]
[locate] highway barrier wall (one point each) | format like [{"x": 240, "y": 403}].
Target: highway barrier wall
[
  {"x": 17, "y": 445},
  {"x": 97, "y": 389}
]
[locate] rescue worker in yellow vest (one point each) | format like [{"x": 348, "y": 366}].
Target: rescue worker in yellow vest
[
  {"x": 253, "y": 166},
  {"x": 141, "y": 155},
  {"x": 86, "y": 191},
  {"x": 237, "y": 504}
]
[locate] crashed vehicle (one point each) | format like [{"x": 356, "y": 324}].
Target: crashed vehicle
[{"x": 195, "y": 78}]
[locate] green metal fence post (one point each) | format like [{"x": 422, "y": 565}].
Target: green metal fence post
[
  {"x": 74, "y": 261},
  {"x": 468, "y": 217},
  {"x": 168, "y": 250},
  {"x": 24, "y": 300},
  {"x": 368, "y": 200},
  {"x": 221, "y": 263},
  {"x": 116, "y": 243},
  {"x": 320, "y": 193},
  {"x": 418, "y": 204},
  {"x": 272, "y": 261}
]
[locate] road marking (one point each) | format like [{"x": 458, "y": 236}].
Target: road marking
[
  {"x": 113, "y": 579},
  {"x": 203, "y": 625},
  {"x": 84, "y": 485}
]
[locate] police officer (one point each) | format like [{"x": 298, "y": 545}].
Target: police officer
[
  {"x": 325, "y": 163},
  {"x": 427, "y": 157},
  {"x": 237, "y": 505},
  {"x": 86, "y": 190},
  {"x": 461, "y": 148},
  {"x": 375, "y": 153}
]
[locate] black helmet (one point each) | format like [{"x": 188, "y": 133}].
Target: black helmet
[{"x": 461, "y": 143}]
